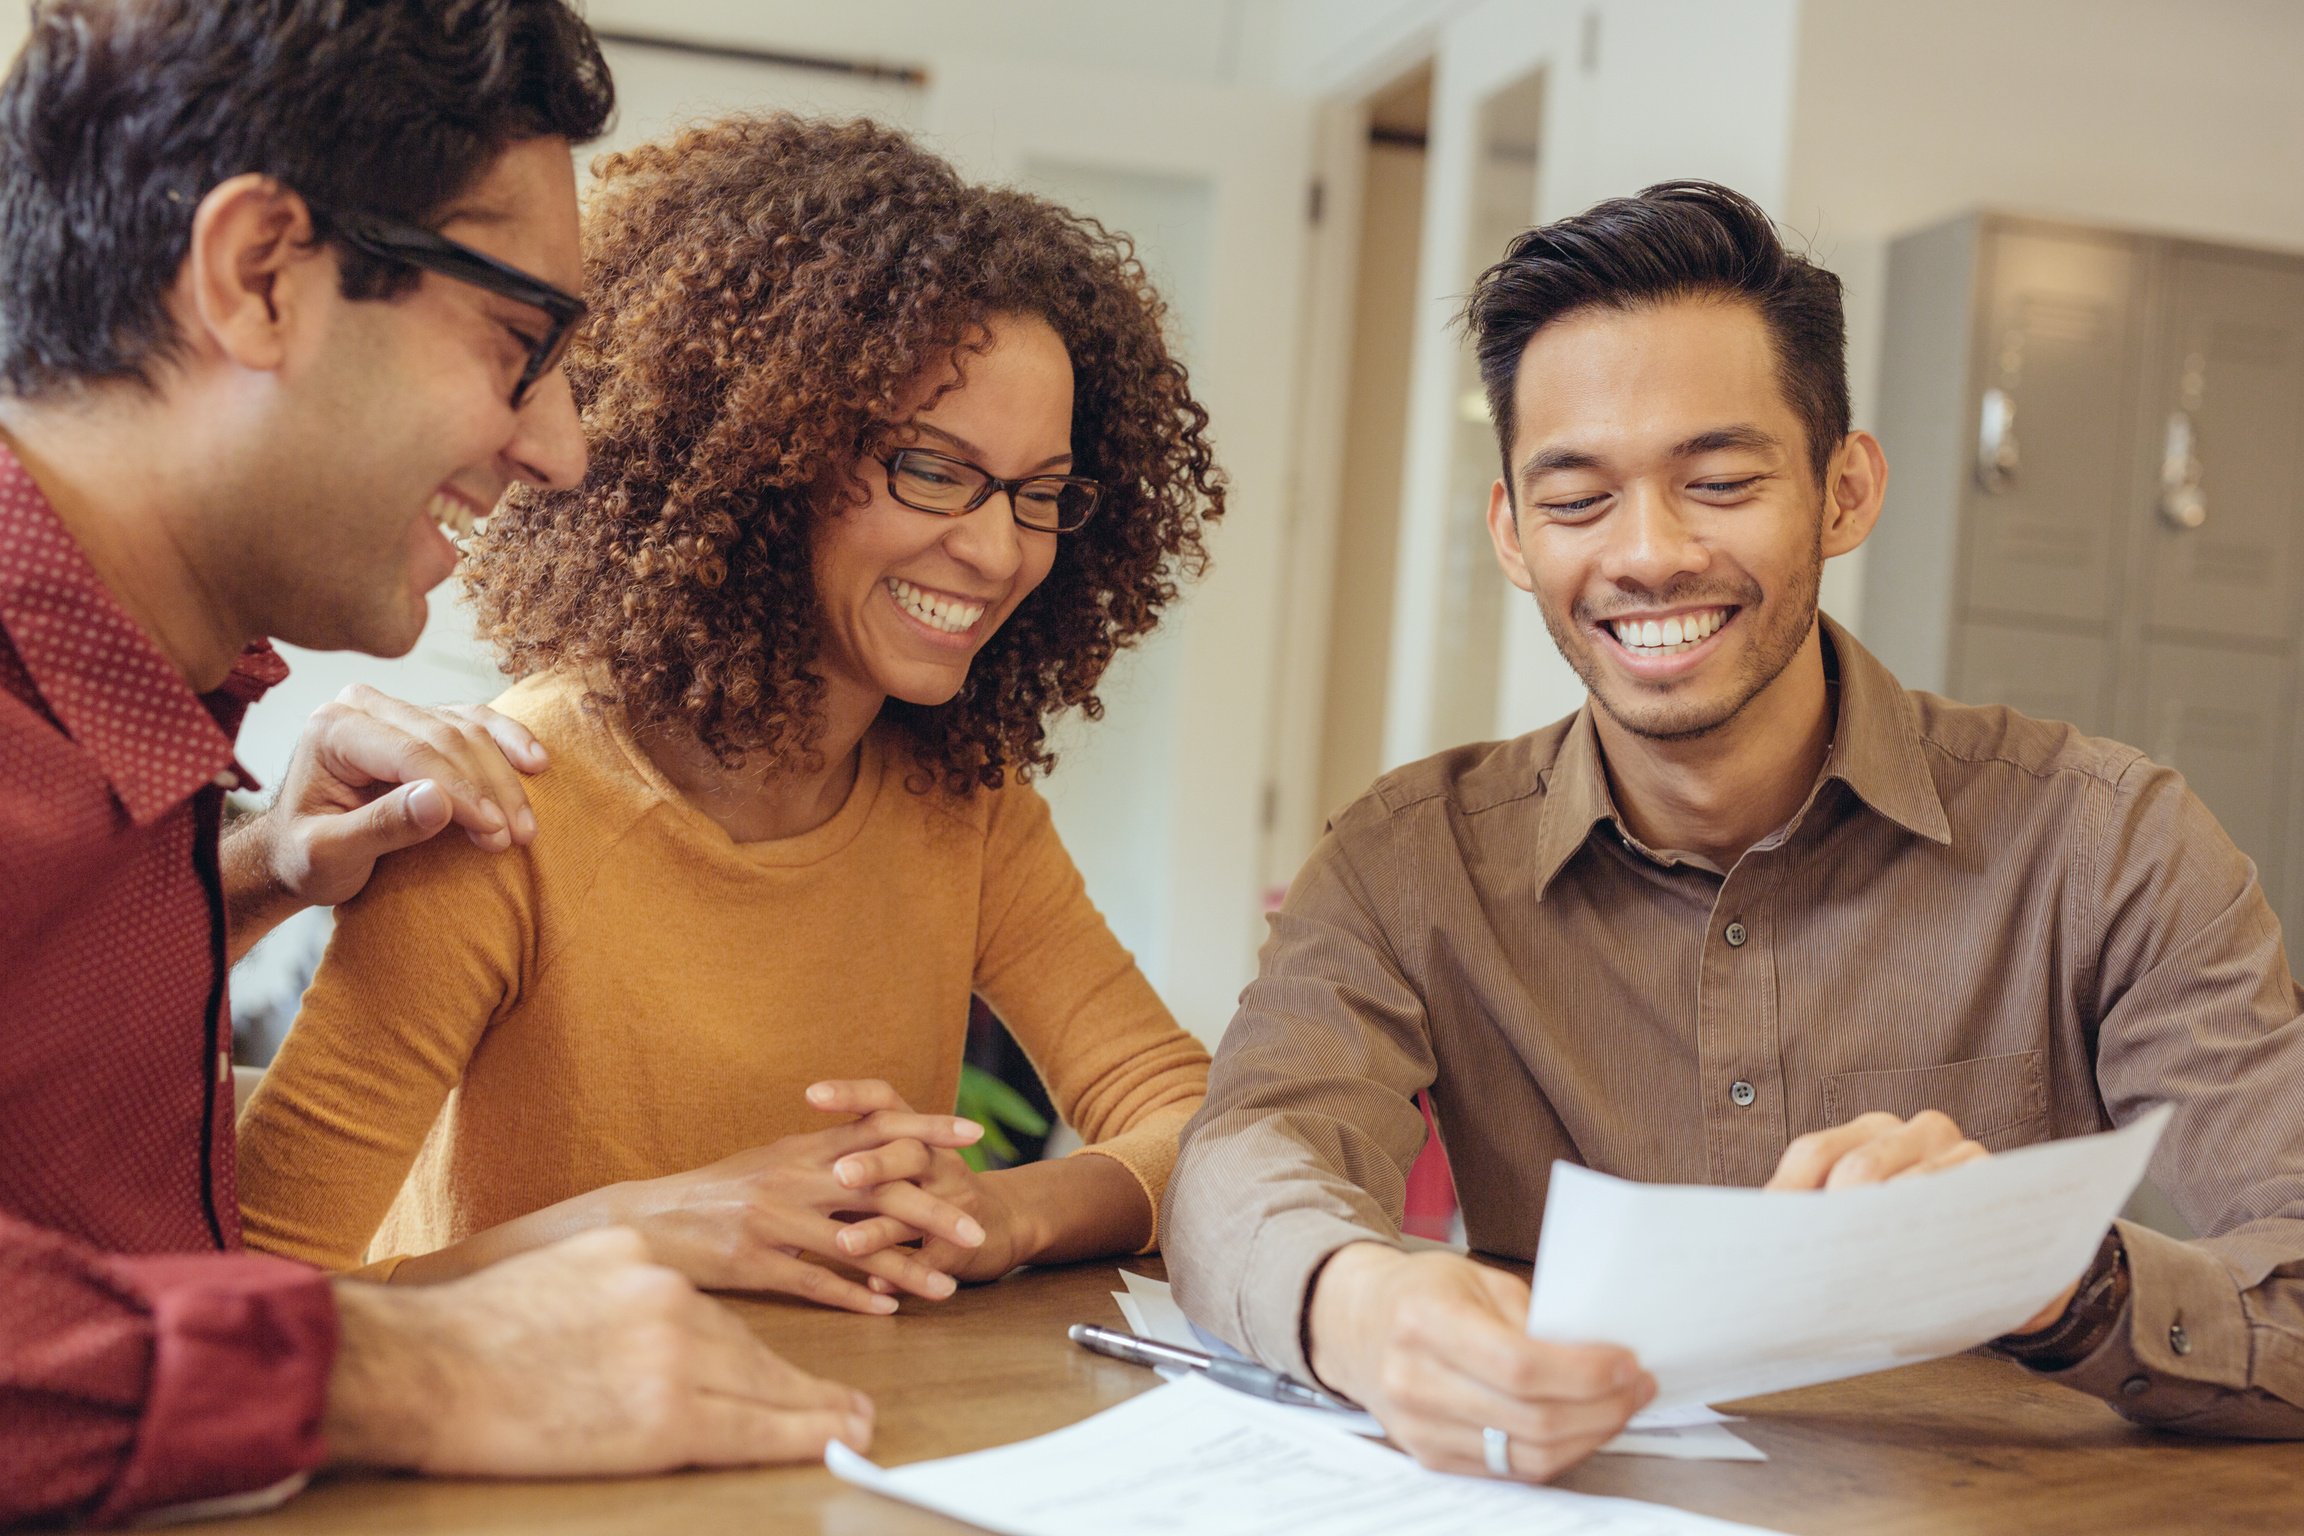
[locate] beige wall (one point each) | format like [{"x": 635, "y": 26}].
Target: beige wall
[
  {"x": 1206, "y": 41},
  {"x": 2180, "y": 115}
]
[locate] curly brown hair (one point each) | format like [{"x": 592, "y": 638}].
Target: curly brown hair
[{"x": 764, "y": 289}]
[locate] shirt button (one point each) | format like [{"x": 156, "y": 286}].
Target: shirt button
[
  {"x": 2136, "y": 1386},
  {"x": 226, "y": 780},
  {"x": 1743, "y": 1093},
  {"x": 2178, "y": 1339},
  {"x": 1735, "y": 935}
]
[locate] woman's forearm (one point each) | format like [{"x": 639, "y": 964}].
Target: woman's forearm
[
  {"x": 1067, "y": 1209},
  {"x": 537, "y": 1229},
  {"x": 1079, "y": 1207}
]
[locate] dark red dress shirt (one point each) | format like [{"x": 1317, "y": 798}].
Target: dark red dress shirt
[{"x": 144, "y": 1359}]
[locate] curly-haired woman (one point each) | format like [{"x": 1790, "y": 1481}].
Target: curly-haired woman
[{"x": 885, "y": 470}]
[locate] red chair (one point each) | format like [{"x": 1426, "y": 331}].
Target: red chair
[{"x": 1431, "y": 1205}]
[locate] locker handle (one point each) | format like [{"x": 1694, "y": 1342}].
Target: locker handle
[
  {"x": 1996, "y": 455},
  {"x": 2182, "y": 502}
]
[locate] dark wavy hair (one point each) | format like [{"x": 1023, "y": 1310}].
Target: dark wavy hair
[
  {"x": 120, "y": 115},
  {"x": 1676, "y": 240},
  {"x": 763, "y": 290}
]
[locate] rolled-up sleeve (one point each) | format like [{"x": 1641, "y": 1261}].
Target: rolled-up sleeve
[
  {"x": 2198, "y": 1009},
  {"x": 134, "y": 1383},
  {"x": 1311, "y": 1122}
]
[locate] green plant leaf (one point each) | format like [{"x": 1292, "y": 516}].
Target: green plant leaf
[
  {"x": 1008, "y": 1106},
  {"x": 999, "y": 1145},
  {"x": 998, "y": 1108}
]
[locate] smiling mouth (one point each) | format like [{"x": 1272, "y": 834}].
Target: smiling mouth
[
  {"x": 455, "y": 516},
  {"x": 1669, "y": 637},
  {"x": 945, "y": 614}
]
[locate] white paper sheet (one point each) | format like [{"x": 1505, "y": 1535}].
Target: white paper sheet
[
  {"x": 1683, "y": 1434},
  {"x": 1157, "y": 1313},
  {"x": 1194, "y": 1457},
  {"x": 1671, "y": 1435},
  {"x": 1728, "y": 1293}
]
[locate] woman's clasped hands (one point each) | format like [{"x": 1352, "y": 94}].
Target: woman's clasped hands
[{"x": 833, "y": 1215}]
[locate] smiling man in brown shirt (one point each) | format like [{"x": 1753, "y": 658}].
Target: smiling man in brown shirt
[{"x": 1754, "y": 915}]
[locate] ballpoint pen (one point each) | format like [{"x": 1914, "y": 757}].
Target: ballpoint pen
[{"x": 1240, "y": 1375}]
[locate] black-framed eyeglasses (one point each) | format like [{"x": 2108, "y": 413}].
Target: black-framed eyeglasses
[
  {"x": 391, "y": 240},
  {"x": 937, "y": 482}
]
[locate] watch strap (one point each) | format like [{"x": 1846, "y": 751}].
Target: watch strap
[{"x": 2094, "y": 1311}]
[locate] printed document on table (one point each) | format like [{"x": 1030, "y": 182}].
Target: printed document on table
[
  {"x": 1728, "y": 1293},
  {"x": 1191, "y": 1456},
  {"x": 1684, "y": 1434}
]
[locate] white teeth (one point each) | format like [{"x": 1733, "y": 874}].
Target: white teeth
[
  {"x": 453, "y": 515},
  {"x": 949, "y": 614},
  {"x": 1668, "y": 636}
]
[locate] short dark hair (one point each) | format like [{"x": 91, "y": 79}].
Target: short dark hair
[
  {"x": 1676, "y": 240},
  {"x": 120, "y": 115}
]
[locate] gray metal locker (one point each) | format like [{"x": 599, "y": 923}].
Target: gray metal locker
[
  {"x": 2228, "y": 419},
  {"x": 2046, "y": 674},
  {"x": 2223, "y": 718},
  {"x": 2292, "y": 912},
  {"x": 2096, "y": 500},
  {"x": 2057, "y": 357}
]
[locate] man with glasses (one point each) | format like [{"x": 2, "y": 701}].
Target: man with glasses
[{"x": 282, "y": 284}]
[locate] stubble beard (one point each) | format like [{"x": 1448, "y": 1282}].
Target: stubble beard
[{"x": 1764, "y": 660}]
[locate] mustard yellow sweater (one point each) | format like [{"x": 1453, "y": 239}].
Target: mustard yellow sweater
[{"x": 636, "y": 995}]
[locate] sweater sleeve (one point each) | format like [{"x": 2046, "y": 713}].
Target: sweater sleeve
[
  {"x": 135, "y": 1383},
  {"x": 1120, "y": 1069},
  {"x": 421, "y": 962}
]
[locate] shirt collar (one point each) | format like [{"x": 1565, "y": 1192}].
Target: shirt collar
[
  {"x": 113, "y": 691},
  {"x": 1576, "y": 798},
  {"x": 1876, "y": 748},
  {"x": 1876, "y": 752}
]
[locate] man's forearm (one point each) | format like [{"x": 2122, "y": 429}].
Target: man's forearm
[{"x": 255, "y": 902}]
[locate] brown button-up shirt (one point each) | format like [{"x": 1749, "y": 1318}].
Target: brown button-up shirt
[{"x": 2039, "y": 933}]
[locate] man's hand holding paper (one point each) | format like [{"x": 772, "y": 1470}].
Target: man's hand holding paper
[
  {"x": 1434, "y": 1345},
  {"x": 1876, "y": 1147},
  {"x": 1730, "y": 1293}
]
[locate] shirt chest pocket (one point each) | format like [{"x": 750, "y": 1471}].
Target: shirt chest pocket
[{"x": 1999, "y": 1101}]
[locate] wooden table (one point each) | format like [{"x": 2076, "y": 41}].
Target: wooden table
[{"x": 1964, "y": 1445}]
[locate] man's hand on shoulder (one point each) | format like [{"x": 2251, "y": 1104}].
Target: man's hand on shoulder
[
  {"x": 580, "y": 1359},
  {"x": 1436, "y": 1346},
  {"x": 1876, "y": 1147},
  {"x": 372, "y": 775}
]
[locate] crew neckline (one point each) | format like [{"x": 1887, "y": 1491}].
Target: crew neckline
[{"x": 810, "y": 847}]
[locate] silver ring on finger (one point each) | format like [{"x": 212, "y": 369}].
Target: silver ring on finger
[{"x": 1496, "y": 1448}]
